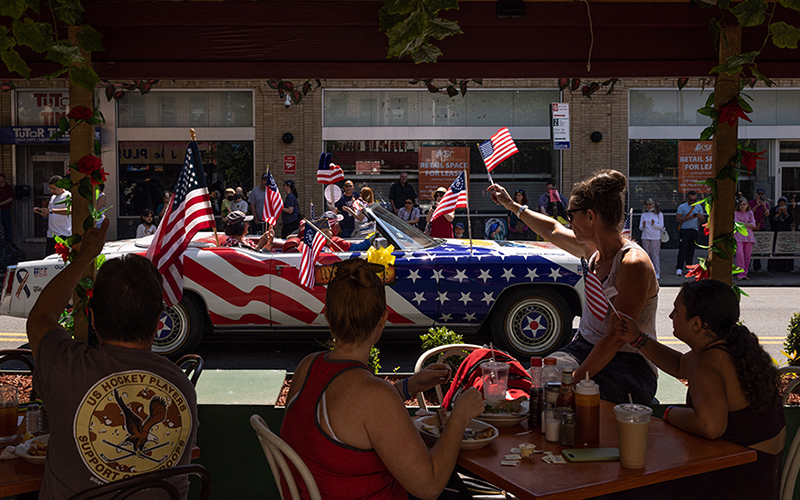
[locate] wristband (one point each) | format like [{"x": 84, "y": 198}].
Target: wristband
[
  {"x": 641, "y": 341},
  {"x": 666, "y": 412},
  {"x": 405, "y": 388},
  {"x": 521, "y": 209}
]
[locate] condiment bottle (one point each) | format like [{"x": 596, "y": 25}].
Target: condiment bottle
[
  {"x": 568, "y": 429},
  {"x": 566, "y": 394},
  {"x": 587, "y": 410},
  {"x": 553, "y": 423},
  {"x": 536, "y": 394},
  {"x": 551, "y": 372},
  {"x": 32, "y": 419},
  {"x": 545, "y": 407}
]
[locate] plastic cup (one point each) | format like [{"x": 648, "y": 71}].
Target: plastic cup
[
  {"x": 9, "y": 405},
  {"x": 633, "y": 422},
  {"x": 495, "y": 380}
]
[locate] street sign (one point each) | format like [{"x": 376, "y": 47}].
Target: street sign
[
  {"x": 559, "y": 125},
  {"x": 289, "y": 165}
]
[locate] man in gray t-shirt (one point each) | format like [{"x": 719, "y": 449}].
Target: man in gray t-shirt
[
  {"x": 119, "y": 409},
  {"x": 256, "y": 200}
]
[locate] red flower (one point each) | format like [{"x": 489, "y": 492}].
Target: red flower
[
  {"x": 705, "y": 228},
  {"x": 749, "y": 158},
  {"x": 698, "y": 272},
  {"x": 80, "y": 113},
  {"x": 89, "y": 164},
  {"x": 62, "y": 251},
  {"x": 732, "y": 112},
  {"x": 98, "y": 177}
]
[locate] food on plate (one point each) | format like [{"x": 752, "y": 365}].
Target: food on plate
[
  {"x": 37, "y": 449},
  {"x": 478, "y": 434},
  {"x": 514, "y": 406},
  {"x": 441, "y": 414}
]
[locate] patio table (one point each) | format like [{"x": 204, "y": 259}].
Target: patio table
[{"x": 671, "y": 454}]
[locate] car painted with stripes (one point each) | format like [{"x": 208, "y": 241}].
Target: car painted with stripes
[{"x": 525, "y": 294}]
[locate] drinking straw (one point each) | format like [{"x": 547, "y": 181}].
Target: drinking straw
[
  {"x": 630, "y": 398},
  {"x": 491, "y": 347}
]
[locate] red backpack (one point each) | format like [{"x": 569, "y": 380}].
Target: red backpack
[{"x": 469, "y": 375}]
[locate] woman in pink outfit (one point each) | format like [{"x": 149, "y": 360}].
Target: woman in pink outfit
[{"x": 744, "y": 244}]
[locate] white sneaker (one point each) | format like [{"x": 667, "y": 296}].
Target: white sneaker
[{"x": 678, "y": 272}]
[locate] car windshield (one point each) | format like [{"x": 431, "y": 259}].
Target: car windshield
[{"x": 399, "y": 232}]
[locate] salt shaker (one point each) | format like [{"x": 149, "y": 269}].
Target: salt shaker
[
  {"x": 32, "y": 419},
  {"x": 44, "y": 422}
]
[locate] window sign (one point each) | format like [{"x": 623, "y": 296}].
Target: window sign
[
  {"x": 695, "y": 164},
  {"x": 41, "y": 108},
  {"x": 439, "y": 167},
  {"x": 560, "y": 125}
]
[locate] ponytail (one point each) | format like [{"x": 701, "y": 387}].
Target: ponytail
[{"x": 755, "y": 370}]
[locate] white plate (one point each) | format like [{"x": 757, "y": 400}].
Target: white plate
[
  {"x": 466, "y": 444},
  {"x": 505, "y": 419},
  {"x": 22, "y": 449}
]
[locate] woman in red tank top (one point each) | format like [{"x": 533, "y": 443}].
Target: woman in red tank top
[{"x": 350, "y": 427}]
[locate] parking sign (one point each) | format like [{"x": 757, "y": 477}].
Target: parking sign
[{"x": 559, "y": 125}]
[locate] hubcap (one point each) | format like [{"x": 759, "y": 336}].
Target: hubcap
[
  {"x": 171, "y": 330},
  {"x": 533, "y": 325}
]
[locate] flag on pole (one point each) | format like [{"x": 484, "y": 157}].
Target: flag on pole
[
  {"x": 498, "y": 148},
  {"x": 455, "y": 197},
  {"x": 189, "y": 210},
  {"x": 313, "y": 241},
  {"x": 327, "y": 172},
  {"x": 273, "y": 204},
  {"x": 626, "y": 227},
  {"x": 593, "y": 290},
  {"x": 360, "y": 204}
]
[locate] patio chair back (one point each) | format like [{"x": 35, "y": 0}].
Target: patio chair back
[
  {"x": 24, "y": 356},
  {"x": 791, "y": 466},
  {"x": 438, "y": 355},
  {"x": 277, "y": 451},
  {"x": 156, "y": 479},
  {"x": 192, "y": 365}
]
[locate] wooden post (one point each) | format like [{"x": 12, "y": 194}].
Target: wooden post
[
  {"x": 81, "y": 143},
  {"x": 721, "y": 218}
]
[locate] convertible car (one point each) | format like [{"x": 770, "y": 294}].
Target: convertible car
[{"x": 525, "y": 294}]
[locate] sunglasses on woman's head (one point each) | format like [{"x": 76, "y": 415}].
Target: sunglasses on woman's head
[{"x": 569, "y": 213}]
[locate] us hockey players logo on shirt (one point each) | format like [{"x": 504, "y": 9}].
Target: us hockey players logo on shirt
[{"x": 130, "y": 423}]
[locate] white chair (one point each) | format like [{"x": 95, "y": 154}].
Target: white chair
[
  {"x": 792, "y": 465},
  {"x": 440, "y": 354},
  {"x": 277, "y": 451}
]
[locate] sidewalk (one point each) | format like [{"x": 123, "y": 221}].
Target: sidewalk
[{"x": 670, "y": 255}]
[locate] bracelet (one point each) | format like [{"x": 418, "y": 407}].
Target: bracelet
[
  {"x": 521, "y": 209},
  {"x": 666, "y": 412},
  {"x": 405, "y": 388},
  {"x": 641, "y": 341}
]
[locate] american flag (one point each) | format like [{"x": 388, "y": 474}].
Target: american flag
[
  {"x": 273, "y": 204},
  {"x": 498, "y": 148},
  {"x": 455, "y": 197},
  {"x": 594, "y": 293},
  {"x": 188, "y": 211},
  {"x": 327, "y": 172},
  {"x": 313, "y": 241},
  {"x": 313, "y": 215},
  {"x": 626, "y": 227},
  {"x": 359, "y": 204}
]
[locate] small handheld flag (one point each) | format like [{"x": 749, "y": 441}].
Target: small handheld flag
[
  {"x": 497, "y": 149},
  {"x": 327, "y": 172},
  {"x": 626, "y": 227},
  {"x": 273, "y": 204},
  {"x": 455, "y": 197},
  {"x": 313, "y": 242}
]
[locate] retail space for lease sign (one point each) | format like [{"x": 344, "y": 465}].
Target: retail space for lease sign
[
  {"x": 695, "y": 164},
  {"x": 439, "y": 167}
]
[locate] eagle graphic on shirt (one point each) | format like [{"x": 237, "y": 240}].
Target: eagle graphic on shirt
[{"x": 130, "y": 423}]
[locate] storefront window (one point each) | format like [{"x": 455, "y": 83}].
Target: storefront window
[
  {"x": 148, "y": 169},
  {"x": 187, "y": 109}
]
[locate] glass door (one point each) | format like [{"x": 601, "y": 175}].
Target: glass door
[{"x": 789, "y": 175}]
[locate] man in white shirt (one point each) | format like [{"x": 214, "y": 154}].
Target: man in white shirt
[{"x": 59, "y": 220}]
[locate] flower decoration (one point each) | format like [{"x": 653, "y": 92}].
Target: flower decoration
[
  {"x": 731, "y": 112},
  {"x": 89, "y": 164},
  {"x": 705, "y": 229},
  {"x": 749, "y": 158},
  {"x": 698, "y": 271},
  {"x": 80, "y": 113},
  {"x": 98, "y": 177},
  {"x": 63, "y": 251}
]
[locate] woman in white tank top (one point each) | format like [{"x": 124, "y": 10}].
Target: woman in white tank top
[{"x": 596, "y": 210}]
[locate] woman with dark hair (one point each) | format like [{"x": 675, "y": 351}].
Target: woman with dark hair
[
  {"x": 517, "y": 230},
  {"x": 291, "y": 209},
  {"x": 651, "y": 224},
  {"x": 237, "y": 225},
  {"x": 733, "y": 392},
  {"x": 351, "y": 428},
  {"x": 597, "y": 207},
  {"x": 147, "y": 227}
]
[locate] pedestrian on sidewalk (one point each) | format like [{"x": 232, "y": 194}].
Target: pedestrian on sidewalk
[
  {"x": 780, "y": 219},
  {"x": 689, "y": 218},
  {"x": 650, "y": 225},
  {"x": 744, "y": 244},
  {"x": 760, "y": 209}
]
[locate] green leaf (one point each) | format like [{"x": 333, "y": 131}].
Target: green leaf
[
  {"x": 85, "y": 283},
  {"x": 63, "y": 124},
  {"x": 714, "y": 28},
  {"x": 710, "y": 100},
  {"x": 6, "y": 42},
  {"x": 89, "y": 39},
  {"x": 756, "y": 73},
  {"x": 68, "y": 11},
  {"x": 56, "y": 73},
  {"x": 437, "y": 5},
  {"x": 724, "y": 4},
  {"x": 707, "y": 110},
  {"x": 64, "y": 183},
  {"x": 84, "y": 76},
  {"x": 37, "y": 36},
  {"x": 706, "y": 133},
  {"x": 72, "y": 240},
  {"x": 791, "y": 4},
  {"x": 56, "y": 135},
  {"x": 88, "y": 223},
  {"x": 441, "y": 28},
  {"x": 402, "y": 7},
  {"x": 750, "y": 12},
  {"x": 426, "y": 53},
  {"x": 84, "y": 190},
  {"x": 784, "y": 35},
  {"x": 33, "y": 5},
  {"x": 388, "y": 20},
  {"x": 64, "y": 53},
  {"x": 726, "y": 172},
  {"x": 99, "y": 261},
  {"x": 15, "y": 64},
  {"x": 410, "y": 47},
  {"x": 13, "y": 8},
  {"x": 740, "y": 228}
]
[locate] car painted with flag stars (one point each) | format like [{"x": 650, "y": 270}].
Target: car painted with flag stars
[{"x": 525, "y": 294}]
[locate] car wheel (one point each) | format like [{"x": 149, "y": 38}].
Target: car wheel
[
  {"x": 180, "y": 329},
  {"x": 531, "y": 322}
]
